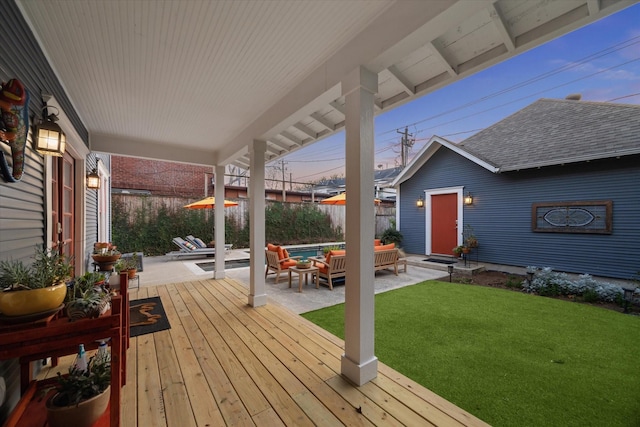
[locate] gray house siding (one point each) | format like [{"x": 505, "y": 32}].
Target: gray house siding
[
  {"x": 22, "y": 205},
  {"x": 501, "y": 212}
]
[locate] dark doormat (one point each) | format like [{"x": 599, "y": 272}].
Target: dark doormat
[
  {"x": 440, "y": 261},
  {"x": 147, "y": 316}
]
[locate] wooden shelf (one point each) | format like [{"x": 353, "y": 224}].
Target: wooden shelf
[
  {"x": 60, "y": 337},
  {"x": 31, "y": 410}
]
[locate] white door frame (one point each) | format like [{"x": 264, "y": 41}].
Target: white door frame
[{"x": 427, "y": 213}]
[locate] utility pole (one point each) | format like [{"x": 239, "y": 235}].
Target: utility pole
[
  {"x": 283, "y": 169},
  {"x": 405, "y": 145}
]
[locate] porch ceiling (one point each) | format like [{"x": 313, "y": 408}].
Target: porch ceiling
[{"x": 197, "y": 81}]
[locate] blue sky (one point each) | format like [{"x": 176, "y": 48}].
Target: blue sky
[{"x": 600, "y": 61}]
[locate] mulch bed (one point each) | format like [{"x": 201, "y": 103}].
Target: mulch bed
[{"x": 498, "y": 279}]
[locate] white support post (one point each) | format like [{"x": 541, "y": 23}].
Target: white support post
[
  {"x": 219, "y": 222},
  {"x": 359, "y": 364},
  {"x": 257, "y": 293}
]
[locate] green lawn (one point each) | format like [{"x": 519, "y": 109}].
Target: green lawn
[{"x": 511, "y": 359}]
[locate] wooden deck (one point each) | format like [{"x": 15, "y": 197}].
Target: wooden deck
[{"x": 224, "y": 363}]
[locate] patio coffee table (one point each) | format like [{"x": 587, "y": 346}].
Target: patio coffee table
[{"x": 304, "y": 272}]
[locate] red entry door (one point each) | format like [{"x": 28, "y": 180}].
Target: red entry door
[{"x": 444, "y": 223}]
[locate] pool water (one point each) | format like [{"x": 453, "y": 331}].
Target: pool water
[
  {"x": 304, "y": 253},
  {"x": 236, "y": 263}
]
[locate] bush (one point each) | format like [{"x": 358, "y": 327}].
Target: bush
[
  {"x": 150, "y": 230},
  {"x": 547, "y": 282},
  {"x": 391, "y": 235}
]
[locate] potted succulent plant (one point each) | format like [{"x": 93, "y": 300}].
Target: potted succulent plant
[
  {"x": 88, "y": 297},
  {"x": 129, "y": 264},
  {"x": 36, "y": 288},
  {"x": 82, "y": 396}
]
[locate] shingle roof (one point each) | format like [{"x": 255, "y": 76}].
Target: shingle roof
[{"x": 551, "y": 132}]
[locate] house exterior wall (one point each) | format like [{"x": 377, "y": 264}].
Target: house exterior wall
[
  {"x": 502, "y": 210},
  {"x": 23, "y": 216}
]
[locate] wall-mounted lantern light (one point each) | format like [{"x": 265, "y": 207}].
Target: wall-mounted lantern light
[
  {"x": 50, "y": 140},
  {"x": 468, "y": 199},
  {"x": 420, "y": 202},
  {"x": 93, "y": 179}
]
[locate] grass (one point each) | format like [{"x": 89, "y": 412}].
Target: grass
[{"x": 509, "y": 358}]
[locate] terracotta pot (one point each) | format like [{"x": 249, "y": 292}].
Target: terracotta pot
[
  {"x": 106, "y": 258},
  {"x": 31, "y": 301},
  {"x": 132, "y": 273},
  {"x": 85, "y": 414}
]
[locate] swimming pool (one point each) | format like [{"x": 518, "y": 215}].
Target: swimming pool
[
  {"x": 234, "y": 263},
  {"x": 305, "y": 251}
]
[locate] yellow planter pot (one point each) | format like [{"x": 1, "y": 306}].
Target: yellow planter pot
[{"x": 31, "y": 301}]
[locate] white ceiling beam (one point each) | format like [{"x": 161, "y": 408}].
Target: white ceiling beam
[
  {"x": 242, "y": 162},
  {"x": 112, "y": 144},
  {"x": 291, "y": 137},
  {"x": 594, "y": 7},
  {"x": 499, "y": 22},
  {"x": 306, "y": 130},
  {"x": 442, "y": 60},
  {"x": 340, "y": 108},
  {"x": 400, "y": 78},
  {"x": 279, "y": 144},
  {"x": 324, "y": 122}
]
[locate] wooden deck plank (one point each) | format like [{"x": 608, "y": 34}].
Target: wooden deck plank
[
  {"x": 129, "y": 395},
  {"x": 150, "y": 399},
  {"x": 292, "y": 343},
  {"x": 305, "y": 373},
  {"x": 227, "y": 400},
  {"x": 262, "y": 366},
  {"x": 176, "y": 403},
  {"x": 268, "y": 418},
  {"x": 232, "y": 371},
  {"x": 272, "y": 388},
  {"x": 194, "y": 383}
]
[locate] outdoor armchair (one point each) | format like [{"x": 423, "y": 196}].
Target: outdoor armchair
[
  {"x": 334, "y": 266},
  {"x": 278, "y": 260}
]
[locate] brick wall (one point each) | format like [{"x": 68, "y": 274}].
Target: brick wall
[{"x": 160, "y": 178}]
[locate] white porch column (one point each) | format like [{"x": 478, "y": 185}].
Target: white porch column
[
  {"x": 219, "y": 222},
  {"x": 257, "y": 294},
  {"x": 359, "y": 363}
]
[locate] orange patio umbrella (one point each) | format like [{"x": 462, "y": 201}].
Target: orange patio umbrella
[
  {"x": 208, "y": 203},
  {"x": 340, "y": 199}
]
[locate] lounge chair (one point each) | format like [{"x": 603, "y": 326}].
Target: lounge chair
[
  {"x": 199, "y": 243},
  {"x": 189, "y": 249}
]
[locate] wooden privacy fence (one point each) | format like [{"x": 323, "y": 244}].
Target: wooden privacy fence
[{"x": 138, "y": 203}]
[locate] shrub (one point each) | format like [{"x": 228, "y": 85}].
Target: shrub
[
  {"x": 391, "y": 235},
  {"x": 547, "y": 282},
  {"x": 513, "y": 282}
]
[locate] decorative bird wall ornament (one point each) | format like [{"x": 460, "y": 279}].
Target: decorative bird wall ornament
[{"x": 14, "y": 123}]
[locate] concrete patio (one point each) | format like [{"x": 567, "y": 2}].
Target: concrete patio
[{"x": 163, "y": 270}]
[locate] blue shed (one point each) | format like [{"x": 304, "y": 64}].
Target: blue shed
[{"x": 556, "y": 184}]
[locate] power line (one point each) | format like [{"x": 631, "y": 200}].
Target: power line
[{"x": 616, "y": 47}]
